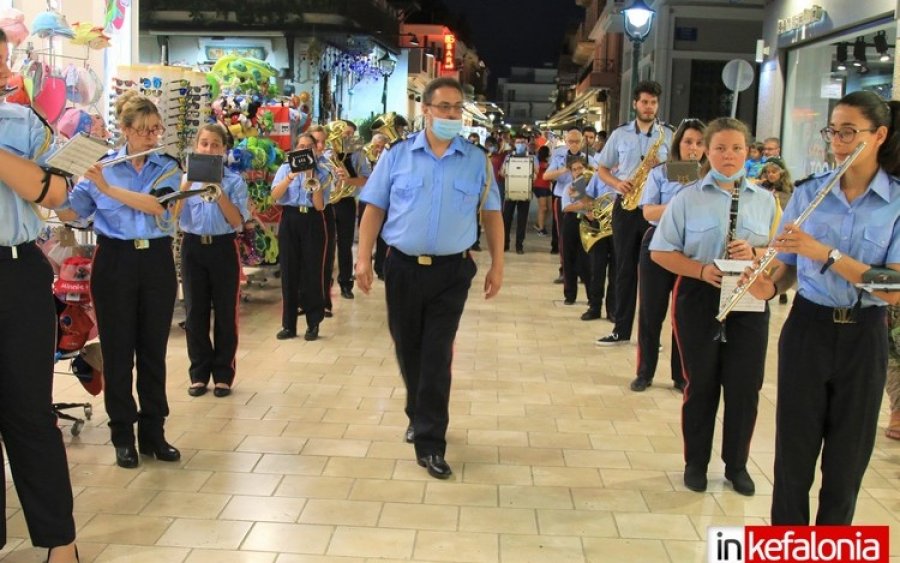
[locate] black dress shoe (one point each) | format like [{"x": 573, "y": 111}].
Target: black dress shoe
[
  {"x": 640, "y": 384},
  {"x": 520, "y": 251},
  {"x": 328, "y": 313},
  {"x": 741, "y": 482},
  {"x": 436, "y": 466},
  {"x": 590, "y": 315},
  {"x": 197, "y": 391},
  {"x": 410, "y": 436},
  {"x": 161, "y": 450},
  {"x": 347, "y": 293},
  {"x": 285, "y": 334},
  {"x": 127, "y": 457},
  {"x": 695, "y": 478},
  {"x": 569, "y": 302},
  {"x": 312, "y": 333},
  {"x": 221, "y": 391}
]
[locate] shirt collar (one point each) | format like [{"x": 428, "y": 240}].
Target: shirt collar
[
  {"x": 880, "y": 185},
  {"x": 708, "y": 182},
  {"x": 421, "y": 143},
  {"x": 637, "y": 129}
]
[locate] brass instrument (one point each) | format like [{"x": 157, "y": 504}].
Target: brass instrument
[
  {"x": 212, "y": 192},
  {"x": 770, "y": 253},
  {"x": 312, "y": 183},
  {"x": 388, "y": 125},
  {"x": 336, "y": 142},
  {"x": 632, "y": 199},
  {"x": 596, "y": 223},
  {"x": 369, "y": 151}
]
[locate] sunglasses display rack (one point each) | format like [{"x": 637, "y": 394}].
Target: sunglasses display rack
[{"x": 181, "y": 95}]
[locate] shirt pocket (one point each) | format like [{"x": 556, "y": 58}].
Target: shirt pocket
[
  {"x": 756, "y": 232},
  {"x": 875, "y": 241},
  {"x": 466, "y": 194},
  {"x": 404, "y": 192},
  {"x": 625, "y": 149},
  {"x": 113, "y": 212},
  {"x": 701, "y": 232}
]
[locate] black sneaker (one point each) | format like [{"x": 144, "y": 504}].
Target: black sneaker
[
  {"x": 611, "y": 339},
  {"x": 590, "y": 315},
  {"x": 640, "y": 384}
]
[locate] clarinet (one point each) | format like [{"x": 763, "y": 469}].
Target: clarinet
[
  {"x": 770, "y": 253},
  {"x": 730, "y": 237}
]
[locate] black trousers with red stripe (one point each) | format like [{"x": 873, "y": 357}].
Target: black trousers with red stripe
[
  {"x": 574, "y": 259},
  {"x": 734, "y": 369},
  {"x": 656, "y": 284},
  {"x": 556, "y": 226},
  {"x": 302, "y": 241},
  {"x": 424, "y": 305},
  {"x": 210, "y": 275},
  {"x": 330, "y": 250},
  {"x": 345, "y": 229},
  {"x": 628, "y": 229},
  {"x": 602, "y": 260},
  {"x": 830, "y": 385},
  {"x": 32, "y": 440},
  {"x": 134, "y": 297}
]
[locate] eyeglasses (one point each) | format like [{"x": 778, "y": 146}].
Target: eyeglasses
[
  {"x": 193, "y": 89},
  {"x": 845, "y": 134},
  {"x": 153, "y": 131},
  {"x": 154, "y": 92},
  {"x": 447, "y": 108}
]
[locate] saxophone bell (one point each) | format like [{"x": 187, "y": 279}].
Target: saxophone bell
[{"x": 632, "y": 199}]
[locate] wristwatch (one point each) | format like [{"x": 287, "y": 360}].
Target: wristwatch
[{"x": 833, "y": 256}]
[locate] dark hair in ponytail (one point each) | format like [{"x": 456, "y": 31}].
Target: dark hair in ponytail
[{"x": 880, "y": 114}]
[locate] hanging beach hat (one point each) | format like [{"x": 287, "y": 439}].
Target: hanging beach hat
[
  {"x": 73, "y": 122},
  {"x": 51, "y": 24},
  {"x": 88, "y": 34},
  {"x": 12, "y": 22},
  {"x": 50, "y": 100}
]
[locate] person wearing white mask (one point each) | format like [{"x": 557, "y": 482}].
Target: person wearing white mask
[
  {"x": 432, "y": 186},
  {"x": 519, "y": 208}
]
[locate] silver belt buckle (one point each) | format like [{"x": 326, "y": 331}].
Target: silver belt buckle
[
  {"x": 15, "y": 252},
  {"x": 303, "y": 209},
  {"x": 424, "y": 260},
  {"x": 141, "y": 244},
  {"x": 842, "y": 315},
  {"x": 206, "y": 239}
]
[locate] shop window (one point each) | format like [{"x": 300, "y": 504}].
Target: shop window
[{"x": 818, "y": 76}]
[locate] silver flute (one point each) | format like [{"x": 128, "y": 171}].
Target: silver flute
[
  {"x": 110, "y": 162},
  {"x": 742, "y": 288}
]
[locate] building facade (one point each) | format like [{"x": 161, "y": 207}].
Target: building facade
[{"x": 526, "y": 94}]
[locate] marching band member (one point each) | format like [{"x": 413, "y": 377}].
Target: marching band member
[
  {"x": 656, "y": 282},
  {"x": 133, "y": 279},
  {"x": 695, "y": 230},
  {"x": 519, "y": 208},
  {"x": 302, "y": 238},
  {"x": 211, "y": 270},
  {"x": 345, "y": 213},
  {"x": 379, "y": 142},
  {"x": 642, "y": 142},
  {"x": 832, "y": 355},
  {"x": 28, "y": 322}
]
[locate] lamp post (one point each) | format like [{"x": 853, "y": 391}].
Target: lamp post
[
  {"x": 638, "y": 21},
  {"x": 386, "y": 63}
]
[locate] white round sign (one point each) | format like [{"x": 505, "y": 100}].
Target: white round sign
[{"x": 737, "y": 75}]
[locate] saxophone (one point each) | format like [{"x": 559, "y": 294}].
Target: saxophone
[{"x": 632, "y": 199}]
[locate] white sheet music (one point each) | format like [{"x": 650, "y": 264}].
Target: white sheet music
[
  {"x": 732, "y": 270},
  {"x": 79, "y": 154}
]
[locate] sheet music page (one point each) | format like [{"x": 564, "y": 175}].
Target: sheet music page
[
  {"x": 732, "y": 270},
  {"x": 79, "y": 154}
]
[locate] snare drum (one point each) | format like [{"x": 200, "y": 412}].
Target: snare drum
[{"x": 519, "y": 176}]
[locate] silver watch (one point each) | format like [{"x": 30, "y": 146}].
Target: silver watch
[{"x": 834, "y": 255}]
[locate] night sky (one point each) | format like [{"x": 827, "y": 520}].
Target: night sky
[{"x": 516, "y": 32}]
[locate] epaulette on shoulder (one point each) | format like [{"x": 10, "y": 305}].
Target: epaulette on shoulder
[
  {"x": 623, "y": 125},
  {"x": 657, "y": 165},
  {"x": 668, "y": 126},
  {"x": 813, "y": 176},
  {"x": 172, "y": 158}
]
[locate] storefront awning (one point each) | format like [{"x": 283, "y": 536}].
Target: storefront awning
[{"x": 570, "y": 114}]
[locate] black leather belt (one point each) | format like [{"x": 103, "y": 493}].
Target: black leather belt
[
  {"x": 838, "y": 315},
  {"x": 426, "y": 260},
  {"x": 134, "y": 244},
  {"x": 17, "y": 251},
  {"x": 209, "y": 239}
]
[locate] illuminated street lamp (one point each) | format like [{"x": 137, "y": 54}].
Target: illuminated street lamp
[
  {"x": 387, "y": 64},
  {"x": 638, "y": 21}
]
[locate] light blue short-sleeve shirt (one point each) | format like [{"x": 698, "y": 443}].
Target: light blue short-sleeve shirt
[
  {"x": 866, "y": 230},
  {"x": 200, "y": 217},
  {"x": 23, "y": 134},
  {"x": 627, "y": 146},
  {"x": 296, "y": 195},
  {"x": 114, "y": 219},
  {"x": 431, "y": 202},
  {"x": 659, "y": 190},
  {"x": 696, "y": 220}
]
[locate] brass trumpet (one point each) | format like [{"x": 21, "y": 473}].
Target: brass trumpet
[{"x": 211, "y": 193}]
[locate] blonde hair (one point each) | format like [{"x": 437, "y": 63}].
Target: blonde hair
[
  {"x": 131, "y": 107},
  {"x": 215, "y": 129}
]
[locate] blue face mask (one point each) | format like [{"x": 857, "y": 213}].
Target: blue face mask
[
  {"x": 719, "y": 177},
  {"x": 446, "y": 129},
  {"x": 520, "y": 149}
]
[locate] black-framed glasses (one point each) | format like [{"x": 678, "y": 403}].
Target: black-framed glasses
[
  {"x": 845, "y": 134},
  {"x": 447, "y": 108}
]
